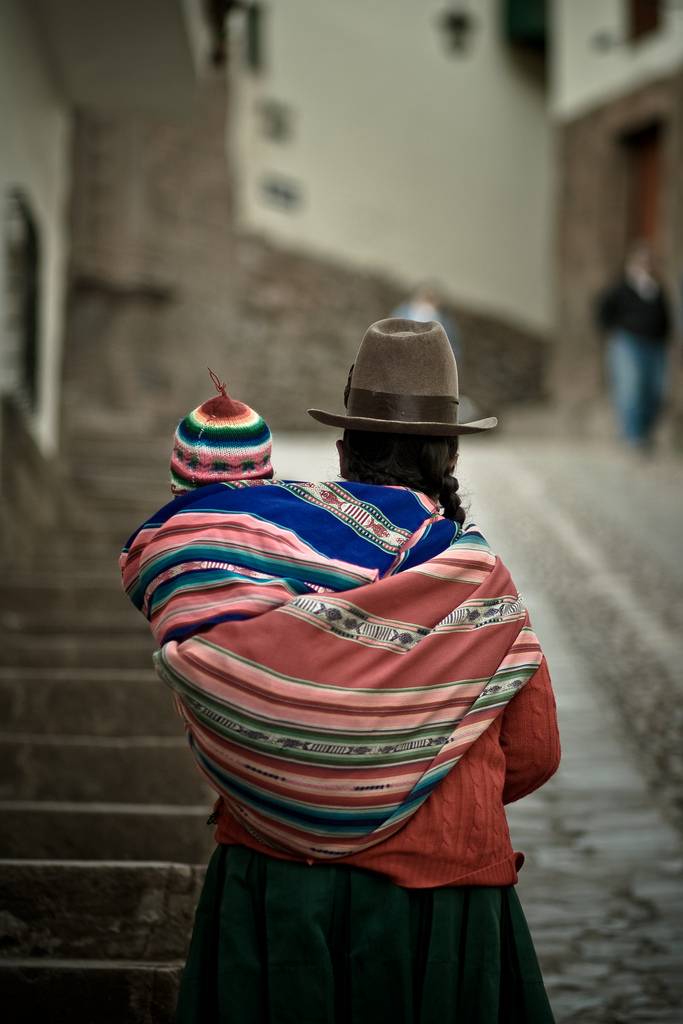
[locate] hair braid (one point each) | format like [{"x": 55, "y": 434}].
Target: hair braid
[
  {"x": 450, "y": 499},
  {"x": 422, "y": 463}
]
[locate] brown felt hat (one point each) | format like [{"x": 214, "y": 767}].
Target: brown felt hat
[{"x": 404, "y": 381}]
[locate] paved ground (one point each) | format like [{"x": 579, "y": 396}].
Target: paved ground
[{"x": 592, "y": 537}]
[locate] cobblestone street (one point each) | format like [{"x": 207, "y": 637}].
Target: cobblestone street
[{"x": 592, "y": 537}]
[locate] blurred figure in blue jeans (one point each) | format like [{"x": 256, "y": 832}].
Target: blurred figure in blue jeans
[
  {"x": 423, "y": 305},
  {"x": 635, "y": 314}
]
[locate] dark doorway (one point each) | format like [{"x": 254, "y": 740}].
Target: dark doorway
[
  {"x": 644, "y": 17},
  {"x": 644, "y": 154},
  {"x": 22, "y": 294}
]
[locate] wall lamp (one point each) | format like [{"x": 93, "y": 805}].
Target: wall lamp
[{"x": 456, "y": 24}]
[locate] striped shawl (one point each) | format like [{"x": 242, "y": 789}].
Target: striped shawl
[{"x": 334, "y": 650}]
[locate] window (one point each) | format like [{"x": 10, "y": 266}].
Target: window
[
  {"x": 526, "y": 22},
  {"x": 254, "y": 37},
  {"x": 218, "y": 14},
  {"x": 281, "y": 192},
  {"x": 276, "y": 120},
  {"x": 644, "y": 18}
]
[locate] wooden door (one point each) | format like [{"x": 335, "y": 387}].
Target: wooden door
[{"x": 645, "y": 173}]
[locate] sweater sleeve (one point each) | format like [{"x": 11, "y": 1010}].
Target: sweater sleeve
[
  {"x": 607, "y": 308},
  {"x": 530, "y": 737},
  {"x": 665, "y": 313}
]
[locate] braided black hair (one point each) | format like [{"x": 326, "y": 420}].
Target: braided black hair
[{"x": 422, "y": 463}]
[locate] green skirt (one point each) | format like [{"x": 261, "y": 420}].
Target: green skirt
[{"x": 276, "y": 942}]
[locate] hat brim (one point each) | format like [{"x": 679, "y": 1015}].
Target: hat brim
[{"x": 402, "y": 426}]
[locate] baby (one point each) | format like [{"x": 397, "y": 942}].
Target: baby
[{"x": 221, "y": 441}]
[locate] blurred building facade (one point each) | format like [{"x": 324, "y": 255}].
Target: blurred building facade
[
  {"x": 55, "y": 60},
  {"x": 506, "y": 150},
  {"x": 617, "y": 100},
  {"x": 409, "y": 138},
  {"x": 140, "y": 261}
]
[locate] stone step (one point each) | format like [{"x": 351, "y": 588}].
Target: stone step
[
  {"x": 88, "y": 992},
  {"x": 70, "y": 591},
  {"x": 106, "y": 447},
  {"x": 96, "y": 702},
  {"x": 100, "y": 534},
  {"x": 135, "y": 769},
  {"x": 113, "y": 613},
  {"x": 89, "y": 539},
  {"x": 116, "y": 615},
  {"x": 78, "y": 542},
  {"x": 116, "y": 521},
  {"x": 106, "y": 454},
  {"x": 43, "y": 577},
  {"x": 97, "y": 909},
  {"x": 143, "y": 483},
  {"x": 130, "y": 507},
  {"x": 99, "y": 831},
  {"x": 70, "y": 565},
  {"x": 148, "y": 469},
  {"x": 131, "y": 649}
]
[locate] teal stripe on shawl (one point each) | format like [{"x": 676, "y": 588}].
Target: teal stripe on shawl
[
  {"x": 207, "y": 579},
  {"x": 346, "y": 821},
  {"x": 290, "y": 572}
]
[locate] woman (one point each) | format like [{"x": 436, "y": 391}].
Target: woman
[{"x": 361, "y": 685}]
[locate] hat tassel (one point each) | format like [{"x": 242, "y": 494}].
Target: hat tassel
[{"x": 219, "y": 386}]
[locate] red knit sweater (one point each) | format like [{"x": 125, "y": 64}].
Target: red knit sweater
[{"x": 460, "y": 834}]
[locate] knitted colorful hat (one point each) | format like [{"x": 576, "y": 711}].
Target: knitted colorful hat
[{"x": 220, "y": 440}]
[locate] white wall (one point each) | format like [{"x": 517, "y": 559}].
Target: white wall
[
  {"x": 584, "y": 75},
  {"x": 413, "y": 161},
  {"x": 125, "y": 54},
  {"x": 34, "y": 156}
]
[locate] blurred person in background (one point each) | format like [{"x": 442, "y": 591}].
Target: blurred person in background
[
  {"x": 635, "y": 315},
  {"x": 422, "y": 305}
]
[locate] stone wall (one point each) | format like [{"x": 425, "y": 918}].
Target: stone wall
[
  {"x": 35, "y": 501},
  {"x": 592, "y": 235},
  {"x": 163, "y": 286}
]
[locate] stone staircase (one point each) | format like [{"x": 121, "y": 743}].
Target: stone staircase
[{"x": 104, "y": 837}]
